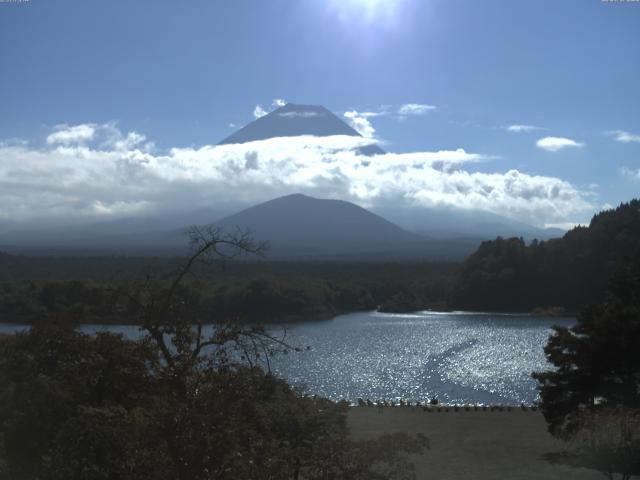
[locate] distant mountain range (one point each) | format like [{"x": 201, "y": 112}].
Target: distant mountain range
[
  {"x": 454, "y": 223},
  {"x": 124, "y": 235},
  {"x": 296, "y": 226}
]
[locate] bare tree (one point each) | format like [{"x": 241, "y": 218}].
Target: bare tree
[{"x": 170, "y": 315}]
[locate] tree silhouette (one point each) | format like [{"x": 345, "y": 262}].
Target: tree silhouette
[
  {"x": 569, "y": 272},
  {"x": 597, "y": 361},
  {"x": 189, "y": 401}
]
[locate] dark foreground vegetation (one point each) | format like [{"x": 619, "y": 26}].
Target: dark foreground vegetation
[
  {"x": 177, "y": 404},
  {"x": 248, "y": 290},
  {"x": 566, "y": 273},
  {"x": 592, "y": 396}
]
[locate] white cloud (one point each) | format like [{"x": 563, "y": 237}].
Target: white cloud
[
  {"x": 522, "y": 128},
  {"x": 553, "y": 144},
  {"x": 118, "y": 208},
  {"x": 563, "y": 225},
  {"x": 378, "y": 113},
  {"x": 361, "y": 123},
  {"x": 301, "y": 114},
  {"x": 232, "y": 125},
  {"x": 624, "y": 136},
  {"x": 360, "y": 119},
  {"x": 258, "y": 112},
  {"x": 415, "y": 109},
  {"x": 13, "y": 142},
  {"x": 122, "y": 176},
  {"x": 107, "y": 136},
  {"x": 630, "y": 173},
  {"x": 66, "y": 135}
]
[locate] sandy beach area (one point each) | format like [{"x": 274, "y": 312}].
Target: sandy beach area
[{"x": 474, "y": 445}]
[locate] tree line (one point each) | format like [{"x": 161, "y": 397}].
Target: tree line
[
  {"x": 246, "y": 292},
  {"x": 568, "y": 272}
]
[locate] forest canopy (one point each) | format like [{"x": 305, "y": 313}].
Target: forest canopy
[{"x": 568, "y": 272}]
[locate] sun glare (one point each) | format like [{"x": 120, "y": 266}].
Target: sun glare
[{"x": 366, "y": 10}]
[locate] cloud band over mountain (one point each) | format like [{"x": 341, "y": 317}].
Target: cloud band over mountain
[{"x": 96, "y": 170}]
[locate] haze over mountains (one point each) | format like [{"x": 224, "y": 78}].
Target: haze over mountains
[
  {"x": 449, "y": 223},
  {"x": 296, "y": 226},
  {"x": 301, "y": 226}
]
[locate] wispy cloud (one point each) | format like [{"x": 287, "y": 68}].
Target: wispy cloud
[
  {"x": 563, "y": 225},
  {"x": 415, "y": 109},
  {"x": 553, "y": 144},
  {"x": 623, "y": 136},
  {"x": 522, "y": 128},
  {"x": 630, "y": 173},
  {"x": 11, "y": 142},
  {"x": 359, "y": 120},
  {"x": 299, "y": 114},
  {"x": 123, "y": 175}
]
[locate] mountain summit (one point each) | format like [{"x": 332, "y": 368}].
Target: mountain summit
[
  {"x": 301, "y": 225},
  {"x": 293, "y": 120}
]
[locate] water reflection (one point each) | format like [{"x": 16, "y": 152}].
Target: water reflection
[{"x": 461, "y": 357}]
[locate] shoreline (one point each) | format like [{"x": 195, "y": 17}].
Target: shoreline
[
  {"x": 315, "y": 318},
  {"x": 450, "y": 407}
]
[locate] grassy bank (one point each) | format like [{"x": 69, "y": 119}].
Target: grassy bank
[{"x": 480, "y": 445}]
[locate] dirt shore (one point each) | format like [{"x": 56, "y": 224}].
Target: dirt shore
[{"x": 478, "y": 445}]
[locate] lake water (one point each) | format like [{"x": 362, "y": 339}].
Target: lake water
[{"x": 459, "y": 357}]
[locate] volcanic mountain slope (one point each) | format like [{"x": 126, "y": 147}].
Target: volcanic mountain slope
[
  {"x": 296, "y": 227},
  {"x": 301, "y": 226},
  {"x": 294, "y": 120}
]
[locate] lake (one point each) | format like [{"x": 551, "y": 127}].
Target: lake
[{"x": 459, "y": 357}]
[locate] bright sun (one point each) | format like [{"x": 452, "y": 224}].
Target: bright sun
[{"x": 367, "y": 10}]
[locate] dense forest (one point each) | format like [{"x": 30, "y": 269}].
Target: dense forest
[
  {"x": 565, "y": 273},
  {"x": 553, "y": 276},
  {"x": 92, "y": 289}
]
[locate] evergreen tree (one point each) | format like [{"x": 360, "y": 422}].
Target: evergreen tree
[
  {"x": 597, "y": 361},
  {"x": 569, "y": 272}
]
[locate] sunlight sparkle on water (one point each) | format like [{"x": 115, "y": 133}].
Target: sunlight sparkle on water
[{"x": 461, "y": 358}]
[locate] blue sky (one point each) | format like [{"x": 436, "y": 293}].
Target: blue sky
[{"x": 180, "y": 72}]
